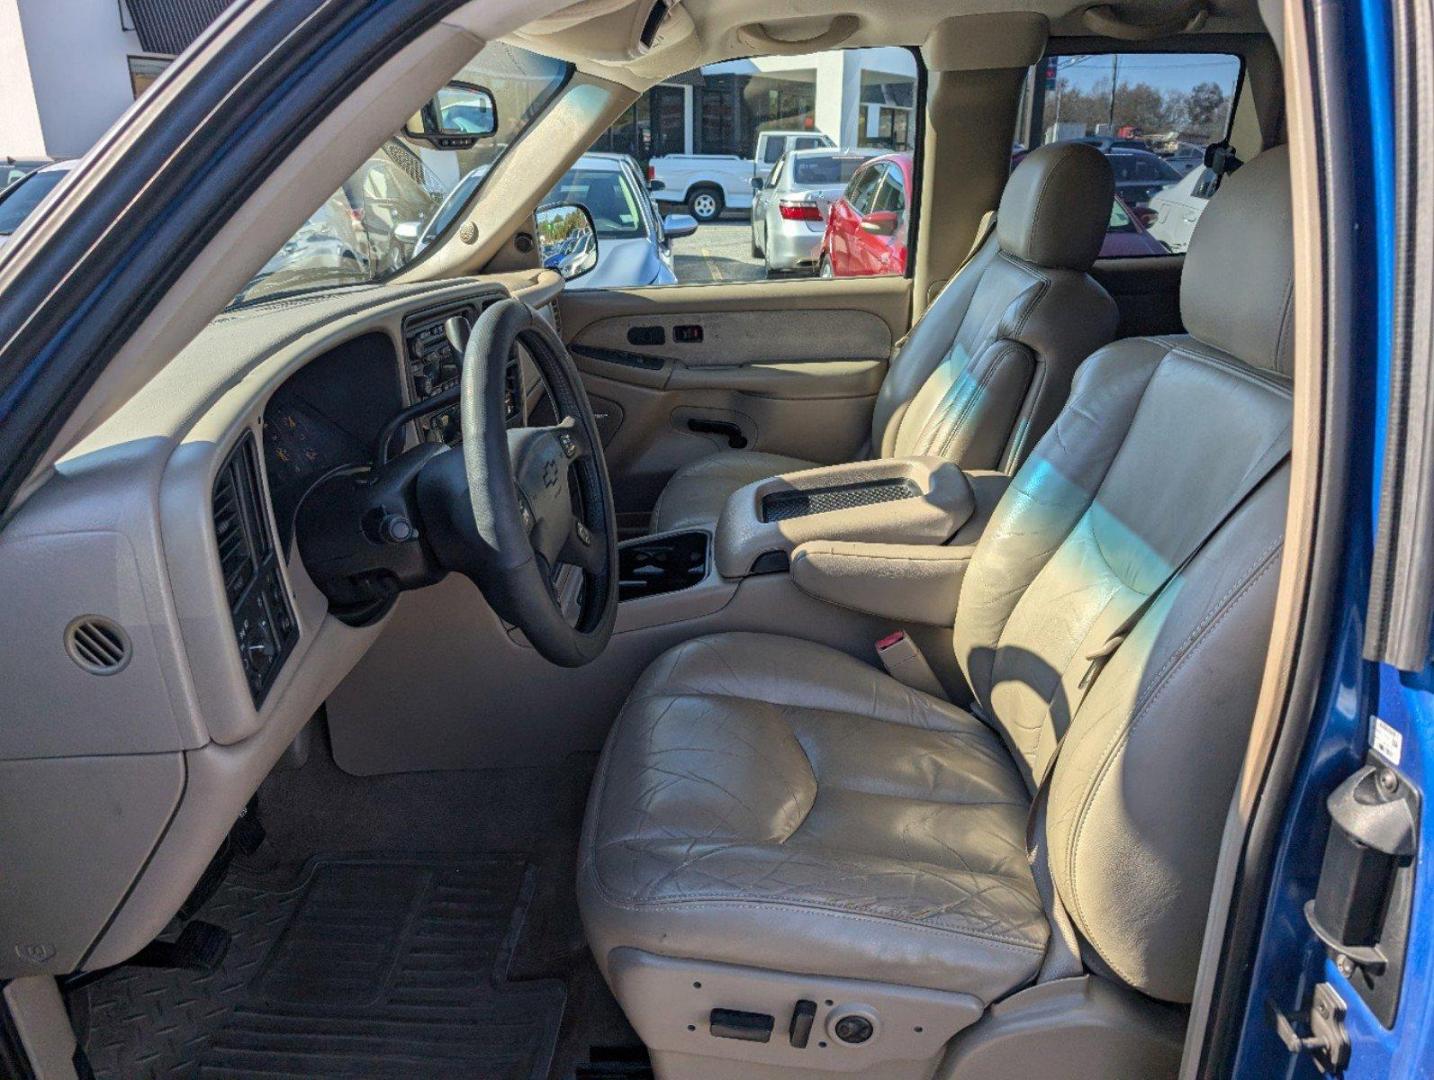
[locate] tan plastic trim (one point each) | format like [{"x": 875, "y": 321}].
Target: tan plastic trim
[
  {"x": 1296, "y": 608},
  {"x": 759, "y": 37},
  {"x": 945, "y": 502}
]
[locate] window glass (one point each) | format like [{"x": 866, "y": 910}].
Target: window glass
[
  {"x": 824, "y": 169},
  {"x": 889, "y": 197},
  {"x": 1152, "y": 114},
  {"x": 609, "y": 197},
  {"x": 409, "y": 191},
  {"x": 22, "y": 199},
  {"x": 863, "y": 190},
  {"x": 716, "y": 128}
]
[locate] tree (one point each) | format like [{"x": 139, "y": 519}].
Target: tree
[{"x": 1206, "y": 105}]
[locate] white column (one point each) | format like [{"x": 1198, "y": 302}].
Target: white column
[
  {"x": 838, "y": 96},
  {"x": 21, "y": 134},
  {"x": 73, "y": 59}
]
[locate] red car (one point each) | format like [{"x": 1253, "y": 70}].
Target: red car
[{"x": 867, "y": 227}]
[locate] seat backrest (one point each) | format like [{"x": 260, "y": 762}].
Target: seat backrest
[
  {"x": 989, "y": 365},
  {"x": 1159, "y": 437}
]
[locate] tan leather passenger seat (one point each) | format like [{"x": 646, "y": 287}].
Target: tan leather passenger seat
[
  {"x": 791, "y": 822},
  {"x": 989, "y": 365}
]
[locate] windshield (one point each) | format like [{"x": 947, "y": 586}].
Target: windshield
[
  {"x": 825, "y": 170},
  {"x": 389, "y": 210},
  {"x": 24, "y": 197}
]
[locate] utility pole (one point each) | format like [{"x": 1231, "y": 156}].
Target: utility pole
[{"x": 1114, "y": 82}]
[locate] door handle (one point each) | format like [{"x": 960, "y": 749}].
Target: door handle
[{"x": 733, "y": 434}]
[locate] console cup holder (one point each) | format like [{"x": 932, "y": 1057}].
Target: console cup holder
[{"x": 651, "y": 566}]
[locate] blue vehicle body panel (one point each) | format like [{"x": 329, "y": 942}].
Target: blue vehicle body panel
[{"x": 1290, "y": 961}]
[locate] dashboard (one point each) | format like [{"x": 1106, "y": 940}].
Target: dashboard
[{"x": 171, "y": 528}]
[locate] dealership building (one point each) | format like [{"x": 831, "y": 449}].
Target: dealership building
[
  {"x": 858, "y": 97},
  {"x": 58, "y": 108}
]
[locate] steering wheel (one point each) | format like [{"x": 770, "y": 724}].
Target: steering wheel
[{"x": 540, "y": 496}]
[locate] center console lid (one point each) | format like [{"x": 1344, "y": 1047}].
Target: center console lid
[{"x": 917, "y": 500}]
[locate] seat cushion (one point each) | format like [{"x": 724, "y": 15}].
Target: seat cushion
[
  {"x": 695, "y": 495},
  {"x": 774, "y": 803}
]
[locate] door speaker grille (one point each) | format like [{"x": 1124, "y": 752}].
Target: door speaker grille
[{"x": 97, "y": 644}]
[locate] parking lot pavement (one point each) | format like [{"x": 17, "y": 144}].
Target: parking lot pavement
[{"x": 719, "y": 251}]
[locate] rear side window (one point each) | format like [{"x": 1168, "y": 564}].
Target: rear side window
[
  {"x": 1153, "y": 114},
  {"x": 825, "y": 170}
]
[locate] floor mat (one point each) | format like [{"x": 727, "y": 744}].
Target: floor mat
[{"x": 362, "y": 967}]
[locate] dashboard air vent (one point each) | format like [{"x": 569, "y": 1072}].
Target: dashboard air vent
[
  {"x": 98, "y": 645},
  {"x": 264, "y": 623}
]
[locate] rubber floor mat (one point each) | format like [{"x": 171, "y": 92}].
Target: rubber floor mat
[{"x": 362, "y": 967}]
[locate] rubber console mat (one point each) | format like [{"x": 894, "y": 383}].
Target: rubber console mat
[{"x": 360, "y": 967}]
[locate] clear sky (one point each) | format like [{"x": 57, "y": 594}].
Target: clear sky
[{"x": 1164, "y": 71}]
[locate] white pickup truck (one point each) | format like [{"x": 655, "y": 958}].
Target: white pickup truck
[{"x": 710, "y": 183}]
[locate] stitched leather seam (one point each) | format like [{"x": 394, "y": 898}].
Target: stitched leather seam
[
  {"x": 963, "y": 413},
  {"x": 699, "y": 902},
  {"x": 1285, "y": 318},
  {"x": 1197, "y": 639},
  {"x": 1237, "y": 367}
]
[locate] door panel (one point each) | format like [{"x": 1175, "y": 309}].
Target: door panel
[
  {"x": 681, "y": 372},
  {"x": 1146, "y": 289}
]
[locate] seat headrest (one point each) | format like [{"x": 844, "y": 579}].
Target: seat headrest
[
  {"x": 1056, "y": 206},
  {"x": 1237, "y": 288}
]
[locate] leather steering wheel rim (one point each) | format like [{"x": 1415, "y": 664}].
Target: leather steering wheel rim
[{"x": 517, "y": 511}]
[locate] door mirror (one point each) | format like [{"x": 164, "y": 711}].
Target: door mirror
[
  {"x": 567, "y": 239},
  {"x": 758, "y": 183},
  {"x": 676, "y": 226},
  {"x": 881, "y": 222},
  {"x": 458, "y": 116},
  {"x": 406, "y": 232}
]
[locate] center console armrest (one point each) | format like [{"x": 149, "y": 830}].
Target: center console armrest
[
  {"x": 907, "y": 583},
  {"x": 907, "y": 501},
  {"x": 903, "y": 582}
]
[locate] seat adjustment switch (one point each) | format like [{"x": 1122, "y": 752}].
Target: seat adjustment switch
[
  {"x": 735, "y": 1024},
  {"x": 801, "y": 1030}
]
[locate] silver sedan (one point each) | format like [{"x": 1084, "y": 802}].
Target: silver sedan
[{"x": 789, "y": 207}]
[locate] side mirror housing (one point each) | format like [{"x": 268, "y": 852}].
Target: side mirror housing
[
  {"x": 676, "y": 226},
  {"x": 457, "y": 118},
  {"x": 406, "y": 232},
  {"x": 758, "y": 183},
  {"x": 567, "y": 239}
]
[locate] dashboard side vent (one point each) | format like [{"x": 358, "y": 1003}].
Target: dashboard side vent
[
  {"x": 264, "y": 623},
  {"x": 98, "y": 645}
]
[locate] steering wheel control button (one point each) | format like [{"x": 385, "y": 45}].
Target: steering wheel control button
[
  {"x": 583, "y": 534},
  {"x": 735, "y": 1024},
  {"x": 396, "y": 529},
  {"x": 568, "y": 443},
  {"x": 853, "y": 1029},
  {"x": 800, "y": 1032}
]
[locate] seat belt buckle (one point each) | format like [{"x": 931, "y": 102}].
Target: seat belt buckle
[{"x": 904, "y": 663}]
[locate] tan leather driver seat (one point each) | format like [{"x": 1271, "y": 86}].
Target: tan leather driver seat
[
  {"x": 989, "y": 365},
  {"x": 774, "y": 822}
]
